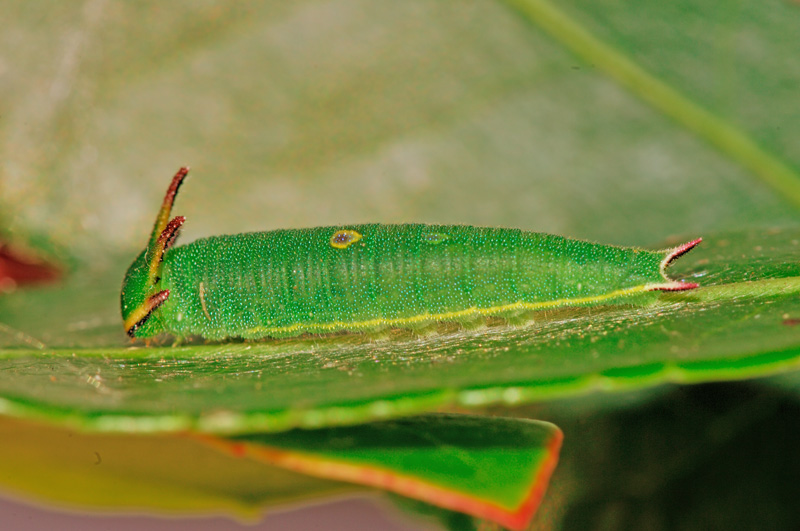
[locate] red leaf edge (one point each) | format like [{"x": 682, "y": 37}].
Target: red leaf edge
[{"x": 516, "y": 518}]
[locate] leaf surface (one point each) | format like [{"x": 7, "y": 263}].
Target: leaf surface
[
  {"x": 489, "y": 467},
  {"x": 738, "y": 325},
  {"x": 166, "y": 474}
]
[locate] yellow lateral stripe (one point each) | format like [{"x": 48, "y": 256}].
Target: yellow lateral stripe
[
  {"x": 136, "y": 315},
  {"x": 449, "y": 316}
]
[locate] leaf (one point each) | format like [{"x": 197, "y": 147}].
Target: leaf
[
  {"x": 166, "y": 474},
  {"x": 717, "y": 131},
  {"x": 731, "y": 328},
  {"x": 317, "y": 113},
  {"x": 491, "y": 468}
]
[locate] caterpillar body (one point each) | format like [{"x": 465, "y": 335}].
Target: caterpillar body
[{"x": 370, "y": 277}]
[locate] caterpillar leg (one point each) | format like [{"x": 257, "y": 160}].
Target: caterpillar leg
[
  {"x": 519, "y": 319},
  {"x": 178, "y": 341},
  {"x": 383, "y": 333},
  {"x": 424, "y": 328},
  {"x": 475, "y": 323}
]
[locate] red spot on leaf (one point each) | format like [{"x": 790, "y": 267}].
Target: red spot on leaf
[{"x": 18, "y": 268}]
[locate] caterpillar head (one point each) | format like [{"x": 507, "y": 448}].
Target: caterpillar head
[{"x": 141, "y": 292}]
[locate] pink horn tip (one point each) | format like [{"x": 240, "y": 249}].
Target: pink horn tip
[
  {"x": 678, "y": 286},
  {"x": 681, "y": 250}
]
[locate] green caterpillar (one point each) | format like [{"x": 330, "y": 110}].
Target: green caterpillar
[{"x": 369, "y": 277}]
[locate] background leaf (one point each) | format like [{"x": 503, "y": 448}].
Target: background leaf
[
  {"x": 319, "y": 112},
  {"x": 491, "y": 468},
  {"x": 166, "y": 474}
]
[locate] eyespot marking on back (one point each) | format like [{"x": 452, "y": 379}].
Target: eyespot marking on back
[
  {"x": 342, "y": 239},
  {"x": 434, "y": 238}
]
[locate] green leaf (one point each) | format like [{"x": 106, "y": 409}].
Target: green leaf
[
  {"x": 731, "y": 328},
  {"x": 722, "y": 134},
  {"x": 492, "y": 468},
  {"x": 318, "y": 113}
]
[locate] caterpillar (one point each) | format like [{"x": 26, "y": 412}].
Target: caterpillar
[{"x": 366, "y": 278}]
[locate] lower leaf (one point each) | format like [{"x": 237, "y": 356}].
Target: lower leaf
[{"x": 492, "y": 468}]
